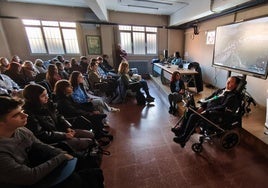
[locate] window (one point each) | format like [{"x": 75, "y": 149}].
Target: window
[
  {"x": 52, "y": 37},
  {"x": 138, "y": 40}
]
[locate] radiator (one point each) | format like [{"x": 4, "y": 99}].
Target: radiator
[{"x": 141, "y": 65}]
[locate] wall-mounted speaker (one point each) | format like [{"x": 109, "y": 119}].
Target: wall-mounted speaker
[{"x": 196, "y": 30}]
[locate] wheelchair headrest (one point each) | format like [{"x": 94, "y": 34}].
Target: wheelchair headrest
[{"x": 241, "y": 85}]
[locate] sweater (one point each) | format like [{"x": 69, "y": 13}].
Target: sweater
[{"x": 15, "y": 164}]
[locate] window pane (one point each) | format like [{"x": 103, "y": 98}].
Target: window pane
[
  {"x": 138, "y": 43},
  {"x": 53, "y": 39},
  {"x": 70, "y": 41},
  {"x": 125, "y": 27},
  {"x": 126, "y": 41},
  {"x": 50, "y": 23},
  {"x": 136, "y": 28},
  {"x": 151, "y": 29},
  {"x": 151, "y": 43},
  {"x": 31, "y": 22},
  {"x": 35, "y": 39},
  {"x": 67, "y": 24}
]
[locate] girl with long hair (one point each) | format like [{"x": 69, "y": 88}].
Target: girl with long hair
[
  {"x": 83, "y": 117},
  {"x": 134, "y": 85},
  {"x": 48, "y": 124},
  {"x": 81, "y": 96},
  {"x": 177, "y": 89}
]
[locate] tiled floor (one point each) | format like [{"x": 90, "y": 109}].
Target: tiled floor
[{"x": 143, "y": 154}]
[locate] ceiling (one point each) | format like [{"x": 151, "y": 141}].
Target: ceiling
[{"x": 180, "y": 12}]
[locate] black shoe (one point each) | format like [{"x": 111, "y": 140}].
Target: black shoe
[
  {"x": 108, "y": 136},
  {"x": 179, "y": 140},
  {"x": 174, "y": 111},
  {"x": 170, "y": 110},
  {"x": 141, "y": 103},
  {"x": 105, "y": 125},
  {"x": 148, "y": 99},
  {"x": 105, "y": 131},
  {"x": 100, "y": 116},
  {"x": 177, "y": 131},
  {"x": 182, "y": 144},
  {"x": 104, "y": 142}
]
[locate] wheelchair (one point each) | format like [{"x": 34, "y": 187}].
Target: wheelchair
[{"x": 222, "y": 128}]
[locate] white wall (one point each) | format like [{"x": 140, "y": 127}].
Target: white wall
[{"x": 4, "y": 47}]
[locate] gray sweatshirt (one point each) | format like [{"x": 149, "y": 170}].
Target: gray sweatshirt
[{"x": 14, "y": 161}]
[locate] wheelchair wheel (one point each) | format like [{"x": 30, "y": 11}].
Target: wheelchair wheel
[
  {"x": 197, "y": 147},
  {"x": 230, "y": 139}
]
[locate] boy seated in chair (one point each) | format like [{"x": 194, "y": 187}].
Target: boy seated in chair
[
  {"x": 222, "y": 103},
  {"x": 27, "y": 162}
]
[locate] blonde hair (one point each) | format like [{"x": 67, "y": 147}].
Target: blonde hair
[{"x": 123, "y": 67}]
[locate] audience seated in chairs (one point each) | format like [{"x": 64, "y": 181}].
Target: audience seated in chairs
[
  {"x": 14, "y": 72},
  {"x": 29, "y": 71},
  {"x": 35, "y": 164},
  {"x": 80, "y": 95},
  {"x": 4, "y": 64},
  {"x": 104, "y": 84},
  {"x": 75, "y": 65},
  {"x": 219, "y": 107},
  {"x": 84, "y": 64},
  {"x": 82, "y": 115},
  {"x": 8, "y": 87},
  {"x": 127, "y": 83},
  {"x": 60, "y": 58},
  {"x": 68, "y": 66},
  {"x": 50, "y": 126},
  {"x": 106, "y": 65},
  {"x": 104, "y": 71},
  {"x": 39, "y": 65},
  {"x": 63, "y": 74},
  {"x": 52, "y": 75},
  {"x": 16, "y": 59}
]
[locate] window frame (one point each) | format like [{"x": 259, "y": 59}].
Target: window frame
[
  {"x": 59, "y": 26},
  {"x": 132, "y": 31}
]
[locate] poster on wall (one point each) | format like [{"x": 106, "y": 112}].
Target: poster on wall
[
  {"x": 94, "y": 45},
  {"x": 210, "y": 37}
]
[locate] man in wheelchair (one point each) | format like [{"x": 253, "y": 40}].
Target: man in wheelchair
[{"x": 218, "y": 108}]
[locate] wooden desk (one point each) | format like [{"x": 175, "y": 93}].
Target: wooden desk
[{"x": 166, "y": 72}]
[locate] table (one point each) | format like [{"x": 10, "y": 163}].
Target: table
[{"x": 166, "y": 71}]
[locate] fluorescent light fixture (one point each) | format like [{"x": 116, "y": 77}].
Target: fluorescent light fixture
[
  {"x": 221, "y": 5},
  {"x": 137, "y": 6},
  {"x": 157, "y": 2}
]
